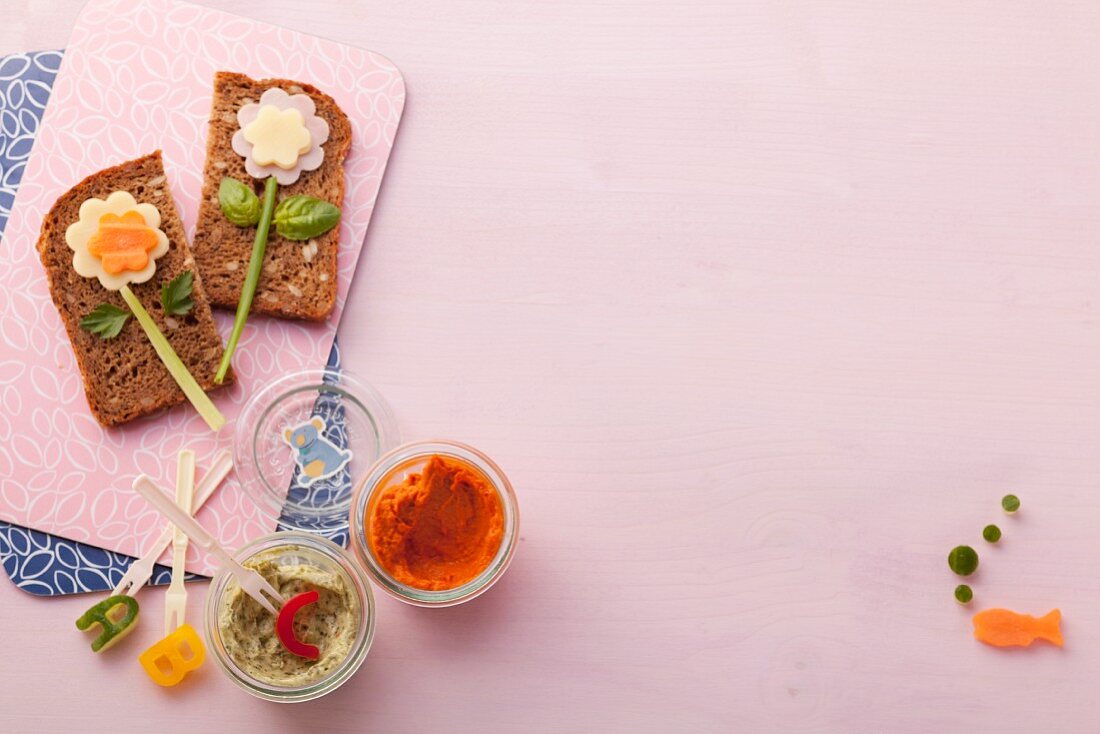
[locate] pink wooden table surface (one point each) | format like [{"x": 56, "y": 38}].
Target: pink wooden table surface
[{"x": 762, "y": 306}]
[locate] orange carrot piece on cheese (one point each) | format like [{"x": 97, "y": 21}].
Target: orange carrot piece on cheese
[{"x": 123, "y": 243}]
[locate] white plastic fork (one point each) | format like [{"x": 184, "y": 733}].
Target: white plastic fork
[
  {"x": 251, "y": 582},
  {"x": 175, "y": 599},
  {"x": 141, "y": 570}
]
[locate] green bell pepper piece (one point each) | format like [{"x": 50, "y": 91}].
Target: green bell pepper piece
[{"x": 113, "y": 630}]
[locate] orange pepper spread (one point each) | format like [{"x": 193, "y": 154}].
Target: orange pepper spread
[
  {"x": 123, "y": 243},
  {"x": 439, "y": 529}
]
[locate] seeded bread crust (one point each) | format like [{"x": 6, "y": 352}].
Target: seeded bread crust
[
  {"x": 123, "y": 377},
  {"x": 299, "y": 278}
]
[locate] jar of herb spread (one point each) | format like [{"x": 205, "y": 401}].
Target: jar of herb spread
[
  {"x": 435, "y": 523},
  {"x": 339, "y": 623}
]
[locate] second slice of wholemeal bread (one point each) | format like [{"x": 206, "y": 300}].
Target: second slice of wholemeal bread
[
  {"x": 124, "y": 378},
  {"x": 299, "y": 278}
]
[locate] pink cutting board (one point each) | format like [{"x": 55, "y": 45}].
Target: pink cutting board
[{"x": 137, "y": 76}]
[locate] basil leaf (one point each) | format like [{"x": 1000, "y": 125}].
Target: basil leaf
[
  {"x": 303, "y": 217},
  {"x": 239, "y": 203},
  {"x": 106, "y": 320},
  {"x": 176, "y": 295}
]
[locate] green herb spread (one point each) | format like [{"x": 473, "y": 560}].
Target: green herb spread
[{"x": 248, "y": 630}]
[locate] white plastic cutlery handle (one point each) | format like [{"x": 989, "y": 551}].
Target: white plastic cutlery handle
[
  {"x": 175, "y": 600},
  {"x": 166, "y": 505},
  {"x": 211, "y": 480},
  {"x": 185, "y": 486},
  {"x": 141, "y": 570}
]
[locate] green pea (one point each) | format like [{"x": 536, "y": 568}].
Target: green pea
[
  {"x": 963, "y": 560},
  {"x": 963, "y": 594},
  {"x": 992, "y": 533},
  {"x": 1010, "y": 503}
]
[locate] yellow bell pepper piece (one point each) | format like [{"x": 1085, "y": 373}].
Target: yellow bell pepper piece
[{"x": 165, "y": 662}]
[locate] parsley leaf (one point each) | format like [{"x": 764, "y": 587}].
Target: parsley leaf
[
  {"x": 176, "y": 295},
  {"x": 106, "y": 320}
]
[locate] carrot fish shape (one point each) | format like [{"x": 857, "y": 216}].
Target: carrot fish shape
[{"x": 1005, "y": 628}]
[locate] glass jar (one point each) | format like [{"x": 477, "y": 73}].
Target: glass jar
[
  {"x": 393, "y": 468},
  {"x": 349, "y": 425},
  {"x": 293, "y": 549}
]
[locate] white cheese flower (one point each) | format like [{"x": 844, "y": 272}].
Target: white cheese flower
[
  {"x": 116, "y": 240},
  {"x": 280, "y": 136}
]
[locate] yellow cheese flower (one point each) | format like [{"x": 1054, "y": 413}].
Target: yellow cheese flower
[
  {"x": 116, "y": 240},
  {"x": 278, "y": 137},
  {"x": 281, "y": 136}
]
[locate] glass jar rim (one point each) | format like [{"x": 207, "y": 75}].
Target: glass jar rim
[
  {"x": 275, "y": 501},
  {"x": 346, "y": 564},
  {"x": 371, "y": 484}
]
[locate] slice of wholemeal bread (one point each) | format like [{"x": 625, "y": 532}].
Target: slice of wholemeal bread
[
  {"x": 123, "y": 377},
  {"x": 299, "y": 278}
]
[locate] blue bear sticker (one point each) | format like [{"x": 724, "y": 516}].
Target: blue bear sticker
[{"x": 317, "y": 457}]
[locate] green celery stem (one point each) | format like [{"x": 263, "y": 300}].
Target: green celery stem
[
  {"x": 255, "y": 264},
  {"x": 175, "y": 365}
]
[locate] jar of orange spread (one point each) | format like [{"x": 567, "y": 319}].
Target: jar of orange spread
[{"x": 435, "y": 523}]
